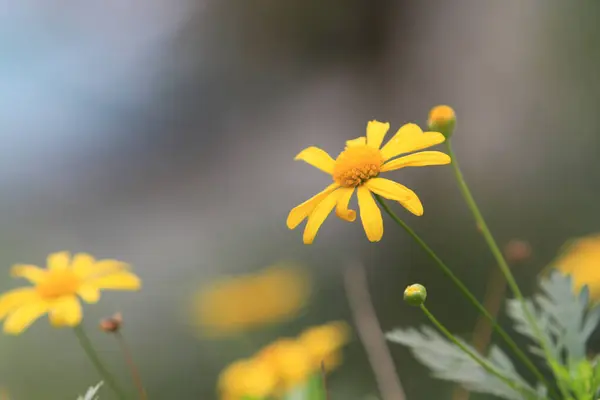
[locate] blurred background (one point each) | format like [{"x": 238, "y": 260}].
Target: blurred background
[{"x": 163, "y": 133}]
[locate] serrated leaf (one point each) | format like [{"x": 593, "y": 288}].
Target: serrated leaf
[
  {"x": 448, "y": 362},
  {"x": 91, "y": 393},
  {"x": 561, "y": 315}
]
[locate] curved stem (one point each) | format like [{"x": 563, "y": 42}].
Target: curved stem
[
  {"x": 483, "y": 363},
  {"x": 496, "y": 252},
  {"x": 465, "y": 291},
  {"x": 87, "y": 346}
]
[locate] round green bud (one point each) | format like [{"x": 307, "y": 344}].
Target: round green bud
[{"x": 415, "y": 294}]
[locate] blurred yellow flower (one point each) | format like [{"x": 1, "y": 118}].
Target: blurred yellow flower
[
  {"x": 235, "y": 305},
  {"x": 358, "y": 167},
  {"x": 290, "y": 360},
  {"x": 56, "y": 288},
  {"x": 323, "y": 343},
  {"x": 250, "y": 378},
  {"x": 581, "y": 259}
]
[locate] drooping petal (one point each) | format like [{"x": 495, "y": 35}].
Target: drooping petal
[
  {"x": 298, "y": 213},
  {"x": 89, "y": 293},
  {"x": 58, "y": 261},
  {"x": 24, "y": 316},
  {"x": 370, "y": 215},
  {"x": 123, "y": 280},
  {"x": 341, "y": 209},
  {"x": 410, "y": 138},
  {"x": 16, "y": 298},
  {"x": 376, "y": 132},
  {"x": 32, "y": 273},
  {"x": 359, "y": 141},
  {"x": 318, "y": 216},
  {"x": 419, "y": 159},
  {"x": 66, "y": 311},
  {"x": 397, "y": 192},
  {"x": 318, "y": 158}
]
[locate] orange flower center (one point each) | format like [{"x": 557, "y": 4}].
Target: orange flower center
[
  {"x": 356, "y": 165},
  {"x": 58, "y": 284}
]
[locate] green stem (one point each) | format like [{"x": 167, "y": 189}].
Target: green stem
[
  {"x": 465, "y": 291},
  {"x": 87, "y": 346},
  {"x": 496, "y": 252},
  {"x": 483, "y": 363}
]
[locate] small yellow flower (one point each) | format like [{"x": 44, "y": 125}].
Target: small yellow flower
[
  {"x": 234, "y": 305},
  {"x": 581, "y": 259},
  {"x": 323, "y": 344},
  {"x": 290, "y": 359},
  {"x": 250, "y": 378},
  {"x": 56, "y": 288},
  {"x": 358, "y": 167}
]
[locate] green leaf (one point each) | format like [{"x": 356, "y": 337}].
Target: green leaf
[
  {"x": 449, "y": 362},
  {"x": 91, "y": 393},
  {"x": 563, "y": 317}
]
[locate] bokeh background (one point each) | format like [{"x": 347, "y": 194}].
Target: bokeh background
[{"x": 162, "y": 132}]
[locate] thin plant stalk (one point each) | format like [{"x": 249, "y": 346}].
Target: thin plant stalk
[
  {"x": 135, "y": 374},
  {"x": 495, "y": 250},
  {"x": 465, "y": 291},
  {"x": 483, "y": 363},
  {"x": 89, "y": 350}
]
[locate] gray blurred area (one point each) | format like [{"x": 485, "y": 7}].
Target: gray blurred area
[{"x": 163, "y": 133}]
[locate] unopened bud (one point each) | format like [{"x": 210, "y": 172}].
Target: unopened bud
[
  {"x": 442, "y": 119},
  {"x": 415, "y": 294},
  {"x": 517, "y": 251},
  {"x": 112, "y": 324}
]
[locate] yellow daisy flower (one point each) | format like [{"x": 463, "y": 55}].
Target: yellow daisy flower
[
  {"x": 358, "y": 167},
  {"x": 323, "y": 343},
  {"x": 233, "y": 305},
  {"x": 289, "y": 359},
  {"x": 581, "y": 260},
  {"x": 250, "y": 378},
  {"x": 56, "y": 288}
]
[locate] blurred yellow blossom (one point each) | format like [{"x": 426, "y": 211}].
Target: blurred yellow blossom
[
  {"x": 238, "y": 304},
  {"x": 323, "y": 343},
  {"x": 56, "y": 288},
  {"x": 442, "y": 119},
  {"x": 290, "y": 360},
  {"x": 581, "y": 259},
  {"x": 250, "y": 378},
  {"x": 358, "y": 167}
]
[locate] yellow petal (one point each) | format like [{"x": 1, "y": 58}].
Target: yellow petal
[
  {"x": 317, "y": 158},
  {"x": 85, "y": 270},
  {"x": 420, "y": 159},
  {"x": 16, "y": 298},
  {"x": 395, "y": 191},
  {"x": 32, "y": 273},
  {"x": 82, "y": 263},
  {"x": 318, "y": 216},
  {"x": 298, "y": 213},
  {"x": 89, "y": 293},
  {"x": 370, "y": 215},
  {"x": 376, "y": 132},
  {"x": 23, "y": 317},
  {"x": 59, "y": 260},
  {"x": 66, "y": 311},
  {"x": 341, "y": 209},
  {"x": 360, "y": 141},
  {"x": 123, "y": 280},
  {"x": 410, "y": 138}
]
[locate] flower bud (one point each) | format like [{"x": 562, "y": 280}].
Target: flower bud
[
  {"x": 442, "y": 119},
  {"x": 415, "y": 294},
  {"x": 112, "y": 324},
  {"x": 517, "y": 251}
]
